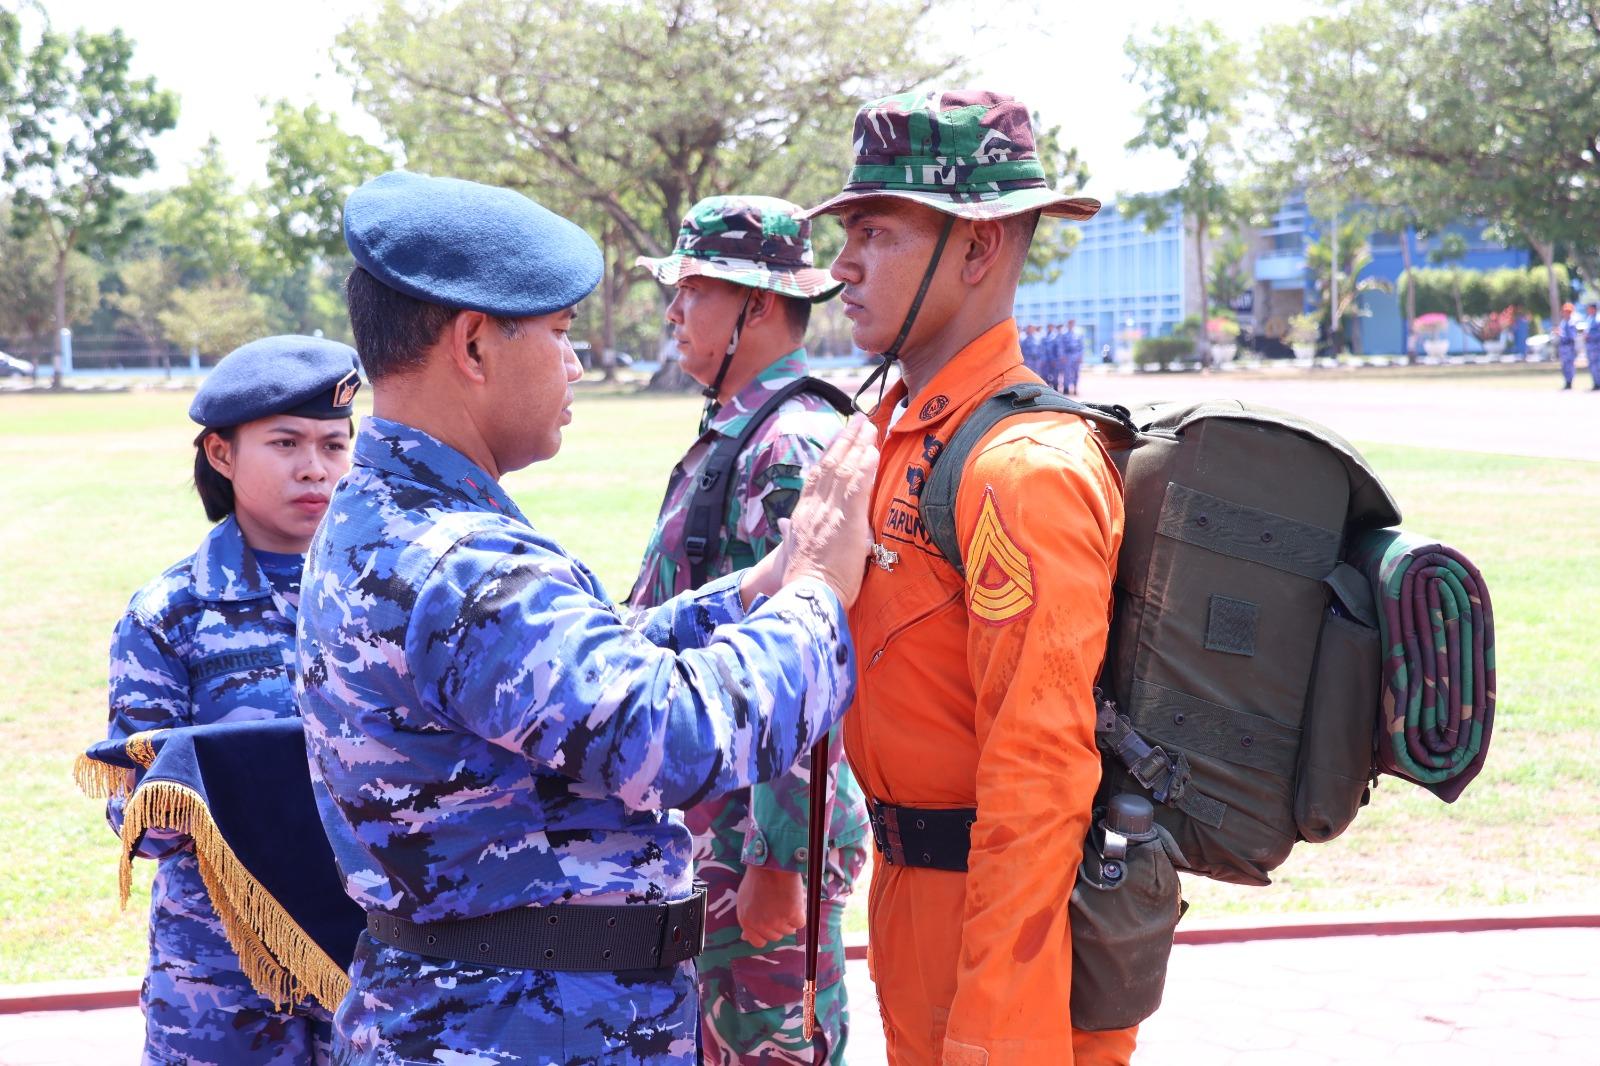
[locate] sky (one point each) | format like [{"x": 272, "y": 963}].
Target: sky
[{"x": 223, "y": 59}]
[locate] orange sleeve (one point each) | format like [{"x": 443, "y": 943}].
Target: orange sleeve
[{"x": 1040, "y": 520}]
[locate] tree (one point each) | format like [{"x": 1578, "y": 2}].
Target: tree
[
  {"x": 148, "y": 285},
  {"x": 1344, "y": 274},
  {"x": 1229, "y": 280},
  {"x": 312, "y": 167},
  {"x": 1194, "y": 80},
  {"x": 28, "y": 283},
  {"x": 1055, "y": 238},
  {"x": 214, "y": 318},
  {"x": 1492, "y": 104},
  {"x": 207, "y": 224},
  {"x": 621, "y": 114},
  {"x": 79, "y": 125}
]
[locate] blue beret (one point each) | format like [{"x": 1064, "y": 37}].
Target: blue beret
[
  {"x": 469, "y": 246},
  {"x": 289, "y": 375}
]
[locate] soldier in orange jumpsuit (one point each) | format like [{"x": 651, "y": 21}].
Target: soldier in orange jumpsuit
[{"x": 972, "y": 693}]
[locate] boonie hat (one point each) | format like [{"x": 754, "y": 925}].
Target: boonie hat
[
  {"x": 966, "y": 152},
  {"x": 758, "y": 241}
]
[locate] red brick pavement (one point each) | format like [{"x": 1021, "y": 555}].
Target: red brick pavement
[{"x": 1452, "y": 998}]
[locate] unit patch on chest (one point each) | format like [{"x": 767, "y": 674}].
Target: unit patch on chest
[{"x": 999, "y": 573}]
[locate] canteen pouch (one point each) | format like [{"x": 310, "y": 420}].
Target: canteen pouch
[
  {"x": 1337, "y": 733},
  {"x": 1122, "y": 934}
]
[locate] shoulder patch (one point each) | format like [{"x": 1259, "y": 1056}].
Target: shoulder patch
[{"x": 999, "y": 573}]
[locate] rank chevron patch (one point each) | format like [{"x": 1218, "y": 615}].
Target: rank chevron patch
[{"x": 999, "y": 574}]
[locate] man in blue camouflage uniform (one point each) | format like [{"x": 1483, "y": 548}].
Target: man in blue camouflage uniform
[
  {"x": 1070, "y": 346},
  {"x": 1033, "y": 351},
  {"x": 1591, "y": 345},
  {"x": 212, "y": 640},
  {"x": 744, "y": 282},
  {"x": 491, "y": 745}
]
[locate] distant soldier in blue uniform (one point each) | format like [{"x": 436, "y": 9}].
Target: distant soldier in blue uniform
[
  {"x": 1591, "y": 345},
  {"x": 1071, "y": 342},
  {"x": 1565, "y": 335},
  {"x": 1050, "y": 354},
  {"x": 498, "y": 758},
  {"x": 1033, "y": 353},
  {"x": 211, "y": 639}
]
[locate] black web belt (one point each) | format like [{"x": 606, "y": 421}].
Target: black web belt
[
  {"x": 919, "y": 836},
  {"x": 564, "y": 936}
]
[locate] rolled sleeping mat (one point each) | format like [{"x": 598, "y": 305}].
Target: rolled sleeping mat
[{"x": 1436, "y": 626}]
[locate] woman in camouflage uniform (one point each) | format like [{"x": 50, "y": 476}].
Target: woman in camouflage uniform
[{"x": 211, "y": 639}]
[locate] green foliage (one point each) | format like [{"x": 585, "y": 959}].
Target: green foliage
[
  {"x": 148, "y": 284},
  {"x": 1055, "y": 238},
  {"x": 1471, "y": 108},
  {"x": 27, "y": 283},
  {"x": 1304, "y": 329},
  {"x": 1229, "y": 279},
  {"x": 206, "y": 224},
  {"x": 215, "y": 317},
  {"x": 1161, "y": 352},
  {"x": 1355, "y": 256},
  {"x": 1472, "y": 297},
  {"x": 78, "y": 125},
  {"x": 312, "y": 166},
  {"x": 620, "y": 114}
]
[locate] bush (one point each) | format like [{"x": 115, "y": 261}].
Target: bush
[
  {"x": 1304, "y": 329},
  {"x": 1160, "y": 352}
]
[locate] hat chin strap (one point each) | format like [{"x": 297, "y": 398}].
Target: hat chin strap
[
  {"x": 711, "y": 391},
  {"x": 887, "y": 358}
]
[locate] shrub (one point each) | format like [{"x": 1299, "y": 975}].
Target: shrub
[
  {"x": 1304, "y": 329},
  {"x": 1431, "y": 325},
  {"x": 1160, "y": 352}
]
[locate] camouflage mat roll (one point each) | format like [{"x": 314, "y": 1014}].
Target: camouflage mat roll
[{"x": 1437, "y": 632}]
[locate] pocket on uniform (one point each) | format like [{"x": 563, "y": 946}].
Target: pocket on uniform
[
  {"x": 1122, "y": 936},
  {"x": 1336, "y": 736}
]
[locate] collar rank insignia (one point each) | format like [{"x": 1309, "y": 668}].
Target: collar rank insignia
[
  {"x": 884, "y": 558},
  {"x": 999, "y": 573}
]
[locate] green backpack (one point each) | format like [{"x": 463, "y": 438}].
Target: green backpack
[{"x": 1241, "y": 680}]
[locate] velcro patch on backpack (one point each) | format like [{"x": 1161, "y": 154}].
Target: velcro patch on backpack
[
  {"x": 1231, "y": 626},
  {"x": 999, "y": 572}
]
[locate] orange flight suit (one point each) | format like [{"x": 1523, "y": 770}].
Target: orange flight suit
[{"x": 978, "y": 693}]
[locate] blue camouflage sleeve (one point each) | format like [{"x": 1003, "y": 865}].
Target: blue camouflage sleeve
[
  {"x": 148, "y": 688},
  {"x": 510, "y": 640},
  {"x": 772, "y": 483}
]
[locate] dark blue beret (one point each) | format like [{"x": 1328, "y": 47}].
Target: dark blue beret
[
  {"x": 307, "y": 376},
  {"x": 469, "y": 246}
]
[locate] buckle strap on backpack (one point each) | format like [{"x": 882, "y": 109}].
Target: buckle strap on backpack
[{"x": 1166, "y": 778}]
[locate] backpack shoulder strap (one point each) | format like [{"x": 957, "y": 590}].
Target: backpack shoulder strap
[
  {"x": 708, "y": 506},
  {"x": 938, "y": 501}
]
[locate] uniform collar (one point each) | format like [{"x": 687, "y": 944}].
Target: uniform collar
[
  {"x": 976, "y": 371},
  {"x": 733, "y": 416},
  {"x": 406, "y": 451},
  {"x": 224, "y": 568}
]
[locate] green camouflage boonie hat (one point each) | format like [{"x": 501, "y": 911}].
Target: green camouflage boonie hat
[
  {"x": 758, "y": 241},
  {"x": 966, "y": 152}
]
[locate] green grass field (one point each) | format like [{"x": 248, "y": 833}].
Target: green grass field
[{"x": 94, "y": 501}]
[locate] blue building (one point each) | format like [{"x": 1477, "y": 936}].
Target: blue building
[
  {"x": 1122, "y": 280},
  {"x": 1284, "y": 286},
  {"x": 1119, "y": 277}
]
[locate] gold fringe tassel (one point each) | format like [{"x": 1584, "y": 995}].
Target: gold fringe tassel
[
  {"x": 101, "y": 780},
  {"x": 281, "y": 961}
]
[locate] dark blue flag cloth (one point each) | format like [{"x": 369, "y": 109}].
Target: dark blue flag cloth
[{"x": 242, "y": 792}]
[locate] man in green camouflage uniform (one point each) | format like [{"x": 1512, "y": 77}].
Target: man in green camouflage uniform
[{"x": 744, "y": 285}]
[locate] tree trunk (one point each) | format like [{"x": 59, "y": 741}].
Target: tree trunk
[
  {"x": 1200, "y": 262},
  {"x": 1547, "y": 252},
  {"x": 1411, "y": 294},
  {"x": 60, "y": 315}
]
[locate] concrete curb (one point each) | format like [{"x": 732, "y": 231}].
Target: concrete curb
[{"x": 124, "y": 991}]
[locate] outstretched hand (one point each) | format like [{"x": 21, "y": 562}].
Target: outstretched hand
[{"x": 829, "y": 535}]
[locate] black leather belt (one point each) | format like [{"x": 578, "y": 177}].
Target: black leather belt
[
  {"x": 563, "y": 936},
  {"x": 920, "y": 836}
]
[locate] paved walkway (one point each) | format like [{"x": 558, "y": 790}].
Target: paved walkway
[{"x": 1460, "y": 999}]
